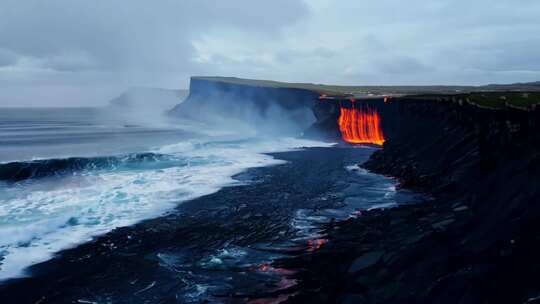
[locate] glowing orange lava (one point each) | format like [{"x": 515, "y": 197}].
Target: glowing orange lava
[{"x": 360, "y": 126}]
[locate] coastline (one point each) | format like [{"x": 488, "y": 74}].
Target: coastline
[
  {"x": 476, "y": 241},
  {"x": 233, "y": 235}
]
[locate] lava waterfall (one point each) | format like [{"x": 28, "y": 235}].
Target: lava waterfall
[{"x": 360, "y": 125}]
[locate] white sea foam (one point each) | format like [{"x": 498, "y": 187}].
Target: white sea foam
[
  {"x": 41, "y": 217},
  {"x": 356, "y": 168}
]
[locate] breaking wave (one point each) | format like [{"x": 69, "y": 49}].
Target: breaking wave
[
  {"x": 50, "y": 205},
  {"x": 19, "y": 171}
]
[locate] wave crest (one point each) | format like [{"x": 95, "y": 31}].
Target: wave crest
[{"x": 19, "y": 171}]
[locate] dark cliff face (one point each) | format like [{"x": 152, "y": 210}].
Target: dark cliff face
[
  {"x": 488, "y": 163},
  {"x": 490, "y": 159},
  {"x": 442, "y": 143},
  {"x": 269, "y": 109}
]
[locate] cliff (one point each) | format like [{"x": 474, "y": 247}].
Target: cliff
[
  {"x": 308, "y": 109},
  {"x": 224, "y": 104},
  {"x": 486, "y": 164},
  {"x": 477, "y": 241},
  {"x": 314, "y": 109}
]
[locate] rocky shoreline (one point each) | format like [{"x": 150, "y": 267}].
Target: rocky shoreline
[
  {"x": 477, "y": 241},
  {"x": 217, "y": 248}
]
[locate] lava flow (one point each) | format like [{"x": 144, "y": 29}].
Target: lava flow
[{"x": 360, "y": 126}]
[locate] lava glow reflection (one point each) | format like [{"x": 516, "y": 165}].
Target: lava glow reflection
[{"x": 360, "y": 126}]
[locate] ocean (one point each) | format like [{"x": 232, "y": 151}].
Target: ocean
[{"x": 68, "y": 175}]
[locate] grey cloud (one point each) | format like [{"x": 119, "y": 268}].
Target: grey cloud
[
  {"x": 510, "y": 56},
  {"x": 7, "y": 58},
  {"x": 120, "y": 34},
  {"x": 73, "y": 45},
  {"x": 400, "y": 65},
  {"x": 319, "y": 53},
  {"x": 70, "y": 62},
  {"x": 134, "y": 41}
]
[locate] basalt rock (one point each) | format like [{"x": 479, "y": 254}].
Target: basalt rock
[{"x": 477, "y": 241}]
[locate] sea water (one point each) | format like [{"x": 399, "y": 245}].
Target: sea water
[{"x": 70, "y": 174}]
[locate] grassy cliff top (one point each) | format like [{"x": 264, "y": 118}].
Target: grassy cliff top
[
  {"x": 496, "y": 100},
  {"x": 351, "y": 90},
  {"x": 496, "y": 96}
]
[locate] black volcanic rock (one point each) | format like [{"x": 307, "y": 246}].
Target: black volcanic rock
[
  {"x": 477, "y": 241},
  {"x": 365, "y": 261}
]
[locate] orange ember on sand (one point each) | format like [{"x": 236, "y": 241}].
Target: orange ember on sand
[
  {"x": 313, "y": 245},
  {"x": 360, "y": 126},
  {"x": 266, "y": 267}
]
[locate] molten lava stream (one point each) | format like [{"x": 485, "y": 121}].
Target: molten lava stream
[{"x": 360, "y": 126}]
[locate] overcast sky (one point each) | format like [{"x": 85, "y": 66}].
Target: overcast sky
[{"x": 71, "y": 52}]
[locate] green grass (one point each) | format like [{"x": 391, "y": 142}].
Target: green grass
[
  {"x": 524, "y": 100},
  {"x": 343, "y": 90},
  {"x": 520, "y": 95},
  {"x": 503, "y": 99}
]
